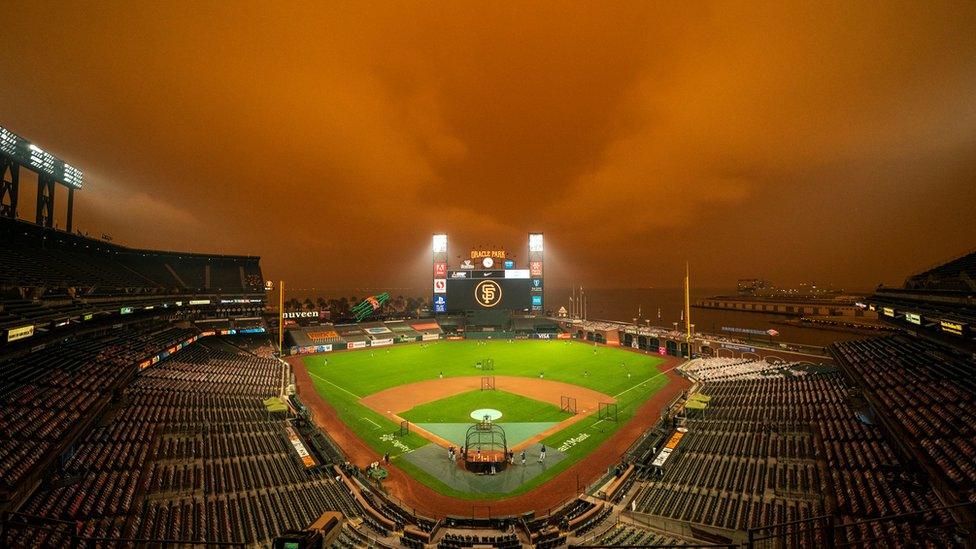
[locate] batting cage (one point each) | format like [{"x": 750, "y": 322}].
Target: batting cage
[{"x": 485, "y": 447}]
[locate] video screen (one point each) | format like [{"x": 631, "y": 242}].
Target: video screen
[{"x": 487, "y": 290}]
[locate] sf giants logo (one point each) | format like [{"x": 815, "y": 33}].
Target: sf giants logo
[{"x": 488, "y": 293}]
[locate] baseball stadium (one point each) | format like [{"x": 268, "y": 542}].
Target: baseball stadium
[{"x": 243, "y": 302}]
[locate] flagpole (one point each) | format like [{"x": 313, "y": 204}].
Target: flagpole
[
  {"x": 281, "y": 315},
  {"x": 688, "y": 307}
]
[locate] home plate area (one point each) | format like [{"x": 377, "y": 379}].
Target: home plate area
[{"x": 434, "y": 460}]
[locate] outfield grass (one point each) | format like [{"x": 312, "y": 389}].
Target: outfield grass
[
  {"x": 343, "y": 378},
  {"x": 458, "y": 408}
]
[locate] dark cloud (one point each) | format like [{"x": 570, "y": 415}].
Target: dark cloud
[{"x": 827, "y": 141}]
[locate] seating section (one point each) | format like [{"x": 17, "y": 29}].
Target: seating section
[
  {"x": 38, "y": 257},
  {"x": 926, "y": 393},
  {"x": 714, "y": 369},
  {"x": 630, "y": 535},
  {"x": 47, "y": 394},
  {"x": 190, "y": 453},
  {"x": 457, "y": 541},
  {"x": 958, "y": 275},
  {"x": 759, "y": 454}
]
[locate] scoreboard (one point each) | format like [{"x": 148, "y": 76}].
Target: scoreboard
[
  {"x": 27, "y": 154},
  {"x": 469, "y": 290},
  {"x": 488, "y": 280}
]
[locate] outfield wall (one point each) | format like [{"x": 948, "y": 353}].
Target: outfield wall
[{"x": 295, "y": 350}]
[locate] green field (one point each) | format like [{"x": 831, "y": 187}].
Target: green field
[
  {"x": 457, "y": 409},
  {"x": 343, "y": 378}
]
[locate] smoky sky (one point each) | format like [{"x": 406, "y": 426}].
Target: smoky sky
[{"x": 833, "y": 142}]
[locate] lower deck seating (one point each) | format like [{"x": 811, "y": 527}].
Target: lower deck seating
[{"x": 189, "y": 452}]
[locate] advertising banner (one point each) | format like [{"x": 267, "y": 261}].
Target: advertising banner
[
  {"x": 13, "y": 334},
  {"x": 356, "y": 345},
  {"x": 296, "y": 442},
  {"x": 327, "y": 334},
  {"x": 301, "y": 314},
  {"x": 740, "y": 348},
  {"x": 913, "y": 318},
  {"x": 951, "y": 327},
  {"x": 564, "y": 335},
  {"x": 430, "y": 337},
  {"x": 440, "y": 304},
  {"x": 376, "y": 330},
  {"x": 440, "y": 285},
  {"x": 669, "y": 447},
  {"x": 440, "y": 270},
  {"x": 381, "y": 342},
  {"x": 535, "y": 268},
  {"x": 737, "y": 330}
]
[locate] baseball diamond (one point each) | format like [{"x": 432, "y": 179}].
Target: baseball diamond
[{"x": 436, "y": 387}]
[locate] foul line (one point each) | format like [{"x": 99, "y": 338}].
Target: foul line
[
  {"x": 336, "y": 386},
  {"x": 371, "y": 421},
  {"x": 648, "y": 379}
]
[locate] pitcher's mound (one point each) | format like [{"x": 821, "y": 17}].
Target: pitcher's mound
[{"x": 481, "y": 413}]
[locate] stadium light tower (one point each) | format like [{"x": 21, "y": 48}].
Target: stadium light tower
[
  {"x": 439, "y": 244},
  {"x": 535, "y": 242}
]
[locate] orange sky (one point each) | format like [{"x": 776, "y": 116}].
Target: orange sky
[{"x": 833, "y": 142}]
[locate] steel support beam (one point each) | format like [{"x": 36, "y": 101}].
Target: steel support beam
[
  {"x": 45, "y": 201},
  {"x": 9, "y": 187}
]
